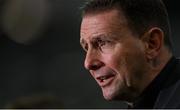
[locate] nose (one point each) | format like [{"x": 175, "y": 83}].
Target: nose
[{"x": 92, "y": 60}]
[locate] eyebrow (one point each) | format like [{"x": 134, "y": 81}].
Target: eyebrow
[
  {"x": 82, "y": 41},
  {"x": 100, "y": 36},
  {"x": 105, "y": 37}
]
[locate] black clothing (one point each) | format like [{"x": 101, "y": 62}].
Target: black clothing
[{"x": 164, "y": 91}]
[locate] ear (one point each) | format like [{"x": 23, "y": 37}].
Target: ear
[{"x": 153, "y": 40}]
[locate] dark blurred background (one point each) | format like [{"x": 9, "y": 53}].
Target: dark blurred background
[{"x": 40, "y": 53}]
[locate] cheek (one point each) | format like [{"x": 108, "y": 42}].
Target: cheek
[
  {"x": 118, "y": 64},
  {"x": 135, "y": 67},
  {"x": 128, "y": 66},
  {"x": 121, "y": 68}
]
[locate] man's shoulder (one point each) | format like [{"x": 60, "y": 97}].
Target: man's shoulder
[
  {"x": 176, "y": 69},
  {"x": 169, "y": 96}
]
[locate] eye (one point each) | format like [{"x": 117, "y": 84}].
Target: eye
[
  {"x": 103, "y": 45},
  {"x": 85, "y": 47}
]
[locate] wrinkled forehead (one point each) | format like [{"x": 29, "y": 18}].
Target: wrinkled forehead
[{"x": 99, "y": 23}]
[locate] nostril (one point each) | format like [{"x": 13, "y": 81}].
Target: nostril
[{"x": 95, "y": 65}]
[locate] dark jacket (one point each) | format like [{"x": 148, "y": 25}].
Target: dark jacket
[
  {"x": 169, "y": 95},
  {"x": 164, "y": 91}
]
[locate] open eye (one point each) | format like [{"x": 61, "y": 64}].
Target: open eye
[
  {"x": 104, "y": 45},
  {"x": 85, "y": 47},
  {"x": 101, "y": 43}
]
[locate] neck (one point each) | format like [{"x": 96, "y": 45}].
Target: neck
[{"x": 155, "y": 67}]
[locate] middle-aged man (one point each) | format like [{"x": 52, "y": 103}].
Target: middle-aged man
[{"x": 129, "y": 52}]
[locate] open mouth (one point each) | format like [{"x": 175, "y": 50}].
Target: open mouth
[{"x": 105, "y": 80}]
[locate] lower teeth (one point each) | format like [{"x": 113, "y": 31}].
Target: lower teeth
[{"x": 102, "y": 80}]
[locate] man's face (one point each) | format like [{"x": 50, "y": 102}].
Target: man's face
[{"x": 115, "y": 56}]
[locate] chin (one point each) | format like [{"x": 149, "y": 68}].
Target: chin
[
  {"x": 109, "y": 96},
  {"x": 116, "y": 96}
]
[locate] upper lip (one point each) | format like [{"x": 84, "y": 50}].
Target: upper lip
[
  {"x": 105, "y": 79},
  {"x": 101, "y": 75}
]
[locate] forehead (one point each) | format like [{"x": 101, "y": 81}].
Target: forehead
[{"x": 106, "y": 22}]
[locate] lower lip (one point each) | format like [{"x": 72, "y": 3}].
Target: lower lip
[{"x": 106, "y": 82}]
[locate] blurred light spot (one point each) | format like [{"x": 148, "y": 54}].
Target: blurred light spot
[{"x": 24, "y": 20}]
